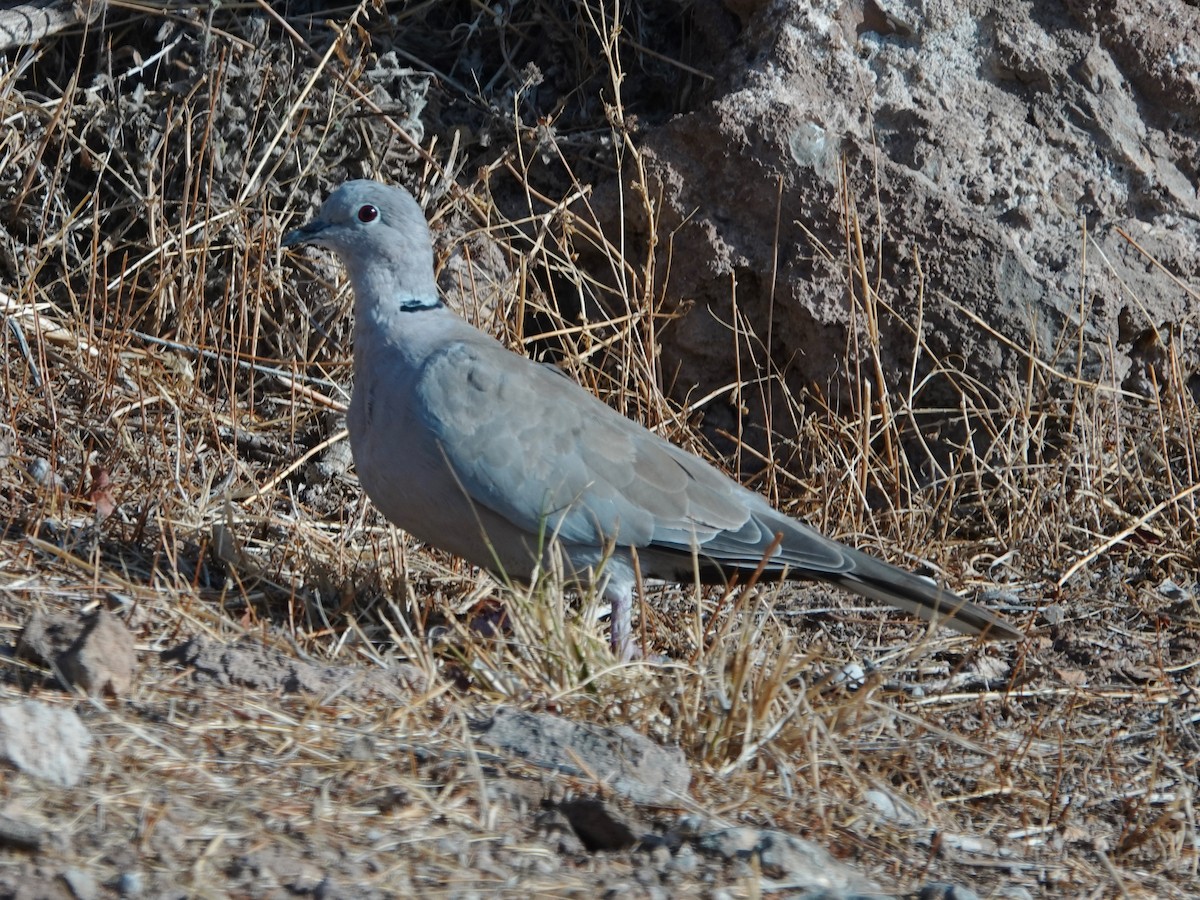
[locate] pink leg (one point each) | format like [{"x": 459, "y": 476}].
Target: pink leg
[{"x": 621, "y": 617}]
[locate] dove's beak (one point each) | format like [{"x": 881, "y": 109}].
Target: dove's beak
[{"x": 305, "y": 234}]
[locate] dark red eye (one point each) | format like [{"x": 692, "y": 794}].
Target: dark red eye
[{"x": 367, "y": 213}]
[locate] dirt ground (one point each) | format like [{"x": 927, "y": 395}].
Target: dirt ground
[{"x": 225, "y": 675}]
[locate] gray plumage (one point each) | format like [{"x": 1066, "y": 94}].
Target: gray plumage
[{"x": 479, "y": 451}]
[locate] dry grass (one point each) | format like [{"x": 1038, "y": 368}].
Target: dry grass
[{"x": 154, "y": 334}]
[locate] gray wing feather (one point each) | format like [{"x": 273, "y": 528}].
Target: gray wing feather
[{"x": 532, "y": 445}]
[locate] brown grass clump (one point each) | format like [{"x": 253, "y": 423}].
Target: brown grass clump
[{"x": 172, "y": 449}]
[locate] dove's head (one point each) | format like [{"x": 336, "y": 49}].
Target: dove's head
[{"x": 379, "y": 233}]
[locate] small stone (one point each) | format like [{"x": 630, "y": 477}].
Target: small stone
[
  {"x": 852, "y": 676},
  {"x": 685, "y": 861},
  {"x": 103, "y": 659},
  {"x": 622, "y": 759},
  {"x": 1171, "y": 590},
  {"x": 689, "y": 824},
  {"x": 19, "y": 834},
  {"x": 81, "y": 884},
  {"x": 129, "y": 884},
  {"x": 95, "y": 653},
  {"x": 45, "y": 742},
  {"x": 1054, "y": 614},
  {"x": 939, "y": 891},
  {"x": 1013, "y": 892},
  {"x": 43, "y": 473},
  {"x": 784, "y": 856},
  {"x": 892, "y": 808}
]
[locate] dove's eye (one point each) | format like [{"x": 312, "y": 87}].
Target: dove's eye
[{"x": 367, "y": 213}]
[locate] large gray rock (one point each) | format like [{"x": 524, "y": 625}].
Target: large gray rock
[{"x": 980, "y": 137}]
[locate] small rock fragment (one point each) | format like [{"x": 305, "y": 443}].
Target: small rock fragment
[
  {"x": 19, "y": 834},
  {"x": 621, "y": 758},
  {"x": 892, "y": 809},
  {"x": 129, "y": 884},
  {"x": 81, "y": 884},
  {"x": 95, "y": 653},
  {"x": 939, "y": 891},
  {"x": 250, "y": 663},
  {"x": 103, "y": 659},
  {"x": 45, "y": 741},
  {"x": 787, "y": 858}
]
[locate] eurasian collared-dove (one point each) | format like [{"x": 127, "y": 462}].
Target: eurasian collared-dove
[{"x": 484, "y": 453}]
